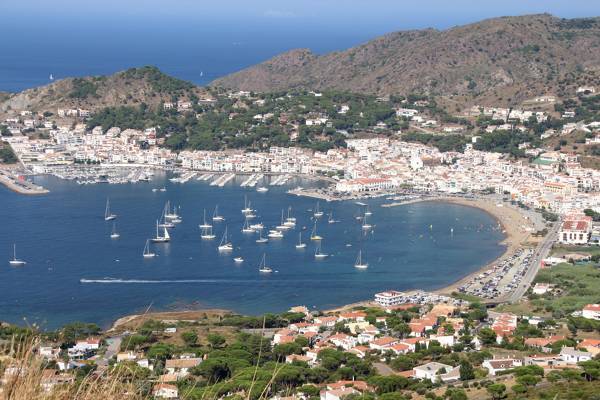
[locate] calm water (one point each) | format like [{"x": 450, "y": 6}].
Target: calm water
[{"x": 64, "y": 239}]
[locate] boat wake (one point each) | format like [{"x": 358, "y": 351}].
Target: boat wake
[{"x": 158, "y": 281}]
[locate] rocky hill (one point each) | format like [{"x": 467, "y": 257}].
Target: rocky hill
[
  {"x": 130, "y": 87},
  {"x": 507, "y": 59}
]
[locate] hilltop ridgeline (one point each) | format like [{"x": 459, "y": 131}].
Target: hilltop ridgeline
[{"x": 507, "y": 57}]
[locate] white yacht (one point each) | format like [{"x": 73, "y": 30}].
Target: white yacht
[
  {"x": 238, "y": 260},
  {"x": 108, "y": 216},
  {"x": 147, "y": 252},
  {"x": 365, "y": 224},
  {"x": 300, "y": 245},
  {"x": 261, "y": 239},
  {"x": 114, "y": 234},
  {"x": 216, "y": 217},
  {"x": 262, "y": 189},
  {"x": 257, "y": 227},
  {"x": 318, "y": 213},
  {"x": 318, "y": 253},
  {"x": 263, "y": 266},
  {"x": 290, "y": 221},
  {"x": 275, "y": 234},
  {"x": 207, "y": 233},
  {"x": 15, "y": 262},
  {"x": 359, "y": 262},
  {"x": 283, "y": 226},
  {"x": 225, "y": 245},
  {"x": 246, "y": 228},
  {"x": 246, "y": 209},
  {"x": 205, "y": 224},
  {"x": 161, "y": 239}
]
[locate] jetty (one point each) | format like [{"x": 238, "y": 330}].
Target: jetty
[{"x": 19, "y": 184}]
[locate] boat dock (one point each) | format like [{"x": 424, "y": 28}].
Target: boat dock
[
  {"x": 280, "y": 180},
  {"x": 205, "y": 177},
  {"x": 252, "y": 180},
  {"x": 222, "y": 180},
  {"x": 184, "y": 178}
]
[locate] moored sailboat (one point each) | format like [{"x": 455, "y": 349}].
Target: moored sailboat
[
  {"x": 147, "y": 253},
  {"x": 114, "y": 234},
  {"x": 300, "y": 245},
  {"x": 205, "y": 224},
  {"x": 216, "y": 217},
  {"x": 108, "y": 215},
  {"x": 161, "y": 239},
  {"x": 313, "y": 234},
  {"x": 359, "y": 262},
  {"x": 225, "y": 244},
  {"x": 318, "y": 213},
  {"x": 263, "y": 266},
  {"x": 318, "y": 253}
]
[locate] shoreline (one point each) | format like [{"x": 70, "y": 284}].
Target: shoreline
[{"x": 512, "y": 222}]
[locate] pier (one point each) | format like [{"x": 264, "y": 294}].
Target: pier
[{"x": 20, "y": 185}]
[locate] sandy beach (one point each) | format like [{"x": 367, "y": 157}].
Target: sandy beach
[{"x": 515, "y": 226}]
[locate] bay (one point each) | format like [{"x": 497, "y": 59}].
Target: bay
[{"x": 64, "y": 239}]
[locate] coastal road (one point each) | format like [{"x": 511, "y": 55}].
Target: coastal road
[
  {"x": 540, "y": 253},
  {"x": 114, "y": 345}
]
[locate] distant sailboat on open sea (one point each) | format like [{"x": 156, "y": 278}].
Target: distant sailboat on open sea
[{"x": 15, "y": 262}]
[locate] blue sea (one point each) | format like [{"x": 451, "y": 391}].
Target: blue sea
[
  {"x": 64, "y": 239},
  {"x": 198, "y": 52}
]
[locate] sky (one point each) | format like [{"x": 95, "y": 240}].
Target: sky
[
  {"x": 202, "y": 40},
  {"x": 374, "y": 15}
]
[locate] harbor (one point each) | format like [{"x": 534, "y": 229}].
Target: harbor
[{"x": 90, "y": 265}]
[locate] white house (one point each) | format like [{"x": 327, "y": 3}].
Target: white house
[
  {"x": 389, "y": 298},
  {"x": 181, "y": 366},
  {"x": 591, "y": 311},
  {"x": 165, "y": 391},
  {"x": 432, "y": 371},
  {"x": 496, "y": 365},
  {"x": 572, "y": 356}
]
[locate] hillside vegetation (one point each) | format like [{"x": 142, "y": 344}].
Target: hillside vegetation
[
  {"x": 127, "y": 88},
  {"x": 506, "y": 59}
]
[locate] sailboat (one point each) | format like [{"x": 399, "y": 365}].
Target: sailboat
[
  {"x": 300, "y": 245},
  {"x": 330, "y": 219},
  {"x": 283, "y": 226},
  {"x": 114, "y": 234},
  {"x": 275, "y": 234},
  {"x": 246, "y": 209},
  {"x": 207, "y": 233},
  {"x": 15, "y": 262},
  {"x": 205, "y": 224},
  {"x": 163, "y": 222},
  {"x": 51, "y": 77},
  {"x": 225, "y": 245},
  {"x": 216, "y": 217},
  {"x": 263, "y": 266},
  {"x": 261, "y": 239},
  {"x": 359, "y": 262},
  {"x": 161, "y": 239},
  {"x": 147, "y": 253},
  {"x": 313, "y": 234},
  {"x": 368, "y": 211},
  {"x": 108, "y": 216},
  {"x": 318, "y": 253},
  {"x": 290, "y": 221},
  {"x": 246, "y": 228},
  {"x": 318, "y": 213},
  {"x": 172, "y": 216},
  {"x": 238, "y": 260},
  {"x": 365, "y": 224}
]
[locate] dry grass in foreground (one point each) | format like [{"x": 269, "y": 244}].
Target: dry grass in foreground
[{"x": 25, "y": 377}]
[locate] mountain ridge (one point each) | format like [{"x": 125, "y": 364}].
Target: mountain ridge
[{"x": 518, "y": 57}]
